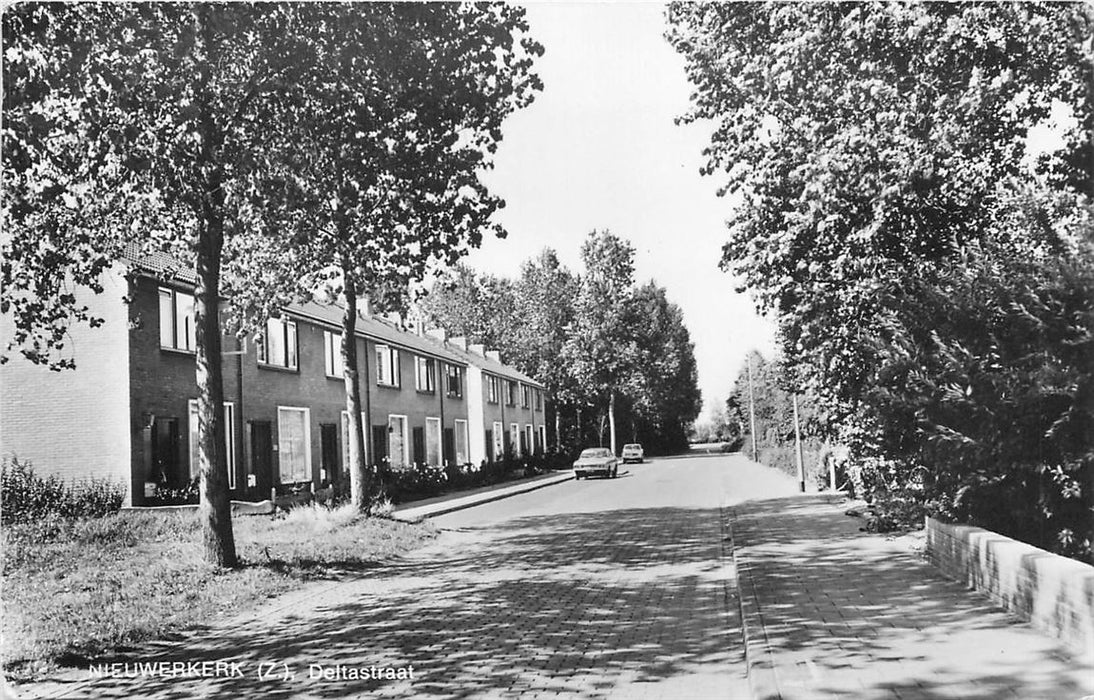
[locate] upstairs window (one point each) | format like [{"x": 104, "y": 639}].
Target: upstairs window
[
  {"x": 525, "y": 396},
  {"x": 537, "y": 396},
  {"x": 425, "y": 376},
  {"x": 332, "y": 353},
  {"x": 510, "y": 393},
  {"x": 493, "y": 389},
  {"x": 453, "y": 381},
  {"x": 387, "y": 365},
  {"x": 278, "y": 347},
  {"x": 178, "y": 330}
]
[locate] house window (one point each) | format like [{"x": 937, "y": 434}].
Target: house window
[
  {"x": 425, "y": 373},
  {"x": 462, "y": 454},
  {"x": 398, "y": 440},
  {"x": 278, "y": 347},
  {"x": 499, "y": 441},
  {"x": 229, "y": 441},
  {"x": 510, "y": 393},
  {"x": 293, "y": 444},
  {"x": 525, "y": 396},
  {"x": 453, "y": 380},
  {"x": 537, "y": 396},
  {"x": 433, "y": 441},
  {"x": 529, "y": 440},
  {"x": 387, "y": 365},
  {"x": 494, "y": 389},
  {"x": 332, "y": 353},
  {"x": 543, "y": 438},
  {"x": 178, "y": 330},
  {"x": 514, "y": 438}
]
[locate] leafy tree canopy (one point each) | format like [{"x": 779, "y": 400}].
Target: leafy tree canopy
[
  {"x": 926, "y": 254},
  {"x": 865, "y": 136}
]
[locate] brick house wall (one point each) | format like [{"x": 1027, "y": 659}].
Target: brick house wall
[
  {"x": 74, "y": 423},
  {"x": 267, "y": 392},
  {"x": 485, "y": 413},
  {"x": 132, "y": 400},
  {"x": 406, "y": 400}
]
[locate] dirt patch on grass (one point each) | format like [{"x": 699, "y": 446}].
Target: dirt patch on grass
[{"x": 74, "y": 590}]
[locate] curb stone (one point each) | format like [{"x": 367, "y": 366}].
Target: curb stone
[
  {"x": 416, "y": 514},
  {"x": 759, "y": 665},
  {"x": 763, "y": 677}
]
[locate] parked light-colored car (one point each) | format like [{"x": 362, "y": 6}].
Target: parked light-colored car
[
  {"x": 596, "y": 460},
  {"x": 633, "y": 452}
]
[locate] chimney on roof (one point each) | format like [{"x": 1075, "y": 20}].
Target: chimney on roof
[
  {"x": 460, "y": 342},
  {"x": 438, "y": 333},
  {"x": 477, "y": 349},
  {"x": 364, "y": 305},
  {"x": 415, "y": 323},
  {"x": 493, "y": 355},
  {"x": 393, "y": 318}
]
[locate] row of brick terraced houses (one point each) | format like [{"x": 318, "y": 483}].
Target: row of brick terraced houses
[{"x": 127, "y": 412}]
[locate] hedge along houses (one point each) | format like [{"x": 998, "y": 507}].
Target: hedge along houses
[{"x": 128, "y": 412}]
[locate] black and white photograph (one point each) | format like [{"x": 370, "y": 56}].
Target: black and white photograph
[{"x": 572, "y": 350}]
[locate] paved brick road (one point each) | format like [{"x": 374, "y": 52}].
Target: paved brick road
[
  {"x": 836, "y": 613},
  {"x": 590, "y": 589}
]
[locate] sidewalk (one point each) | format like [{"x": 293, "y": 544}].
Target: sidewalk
[
  {"x": 833, "y": 612},
  {"x": 427, "y": 508}
]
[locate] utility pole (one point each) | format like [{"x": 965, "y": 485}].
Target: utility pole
[
  {"x": 752, "y": 408},
  {"x": 798, "y": 445}
]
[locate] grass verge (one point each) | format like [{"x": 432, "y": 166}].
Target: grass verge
[{"x": 75, "y": 589}]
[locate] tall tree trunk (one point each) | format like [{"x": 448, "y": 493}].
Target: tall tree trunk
[
  {"x": 215, "y": 510},
  {"x": 358, "y": 472},
  {"x": 558, "y": 433},
  {"x": 611, "y": 420}
]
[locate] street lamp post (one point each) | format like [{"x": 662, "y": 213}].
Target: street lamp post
[
  {"x": 798, "y": 446},
  {"x": 752, "y": 408}
]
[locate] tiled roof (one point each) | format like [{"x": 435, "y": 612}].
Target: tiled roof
[
  {"x": 163, "y": 265},
  {"x": 157, "y": 264},
  {"x": 489, "y": 365},
  {"x": 376, "y": 328}
]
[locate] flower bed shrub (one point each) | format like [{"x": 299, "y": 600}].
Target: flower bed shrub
[{"x": 29, "y": 497}]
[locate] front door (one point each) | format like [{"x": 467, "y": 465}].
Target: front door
[
  {"x": 328, "y": 436},
  {"x": 419, "y": 446},
  {"x": 262, "y": 456},
  {"x": 379, "y": 443},
  {"x": 165, "y": 453},
  {"x": 449, "y": 446}
]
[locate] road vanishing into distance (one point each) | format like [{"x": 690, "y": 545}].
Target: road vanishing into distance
[{"x": 599, "y": 588}]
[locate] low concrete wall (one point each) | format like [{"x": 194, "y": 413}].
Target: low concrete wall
[{"x": 1055, "y": 594}]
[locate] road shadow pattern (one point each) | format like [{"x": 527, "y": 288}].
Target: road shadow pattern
[
  {"x": 626, "y": 603},
  {"x": 844, "y": 613}
]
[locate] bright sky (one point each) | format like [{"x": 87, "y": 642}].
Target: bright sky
[{"x": 598, "y": 149}]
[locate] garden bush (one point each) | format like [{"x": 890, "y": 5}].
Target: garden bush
[
  {"x": 785, "y": 459},
  {"x": 28, "y": 497}
]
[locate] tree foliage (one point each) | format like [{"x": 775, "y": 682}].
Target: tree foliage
[
  {"x": 601, "y": 347},
  {"x": 548, "y": 316},
  {"x": 151, "y": 121},
  {"x": 403, "y": 112},
  {"x": 275, "y": 142},
  {"x": 910, "y": 232},
  {"x": 665, "y": 396},
  {"x": 476, "y": 306}
]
